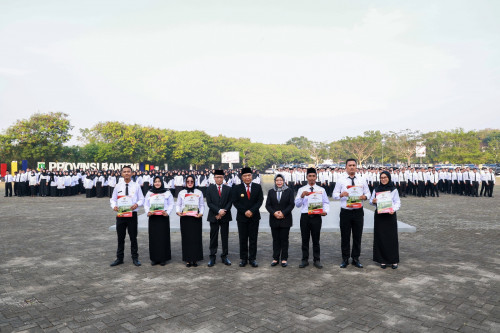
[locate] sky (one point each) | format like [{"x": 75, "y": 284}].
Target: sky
[{"x": 265, "y": 70}]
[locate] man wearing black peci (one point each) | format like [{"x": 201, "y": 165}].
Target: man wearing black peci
[
  {"x": 247, "y": 199},
  {"x": 219, "y": 202},
  {"x": 310, "y": 224}
]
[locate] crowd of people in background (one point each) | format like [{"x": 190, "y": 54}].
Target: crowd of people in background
[
  {"x": 100, "y": 183},
  {"x": 420, "y": 182}
]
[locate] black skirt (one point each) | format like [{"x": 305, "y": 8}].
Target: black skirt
[
  {"x": 192, "y": 244},
  {"x": 159, "y": 238},
  {"x": 385, "y": 239}
]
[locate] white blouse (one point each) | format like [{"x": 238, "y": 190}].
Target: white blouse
[
  {"x": 179, "y": 206},
  {"x": 168, "y": 202},
  {"x": 396, "y": 202}
]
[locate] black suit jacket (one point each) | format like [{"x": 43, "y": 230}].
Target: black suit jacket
[
  {"x": 286, "y": 205},
  {"x": 242, "y": 203},
  {"x": 216, "y": 203}
]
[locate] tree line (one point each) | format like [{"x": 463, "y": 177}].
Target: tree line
[{"x": 43, "y": 137}]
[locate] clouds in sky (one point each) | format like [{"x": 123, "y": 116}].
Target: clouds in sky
[{"x": 260, "y": 69}]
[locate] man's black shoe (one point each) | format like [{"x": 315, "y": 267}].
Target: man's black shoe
[{"x": 116, "y": 262}]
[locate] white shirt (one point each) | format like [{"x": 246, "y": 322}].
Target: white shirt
[
  {"x": 302, "y": 203},
  {"x": 9, "y": 178},
  {"x": 396, "y": 202},
  {"x": 178, "y": 180},
  {"x": 168, "y": 202},
  {"x": 179, "y": 206},
  {"x": 341, "y": 186},
  {"x": 134, "y": 191}
]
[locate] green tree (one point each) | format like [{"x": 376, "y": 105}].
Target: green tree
[{"x": 38, "y": 138}]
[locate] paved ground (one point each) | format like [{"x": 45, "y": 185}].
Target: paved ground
[{"x": 55, "y": 277}]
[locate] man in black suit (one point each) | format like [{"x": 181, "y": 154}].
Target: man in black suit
[
  {"x": 219, "y": 201},
  {"x": 248, "y": 198}
]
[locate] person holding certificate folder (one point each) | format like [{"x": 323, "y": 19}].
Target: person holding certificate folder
[
  {"x": 314, "y": 203},
  {"x": 385, "y": 238},
  {"x": 127, "y": 197},
  {"x": 158, "y": 204},
  {"x": 351, "y": 190},
  {"x": 190, "y": 208}
]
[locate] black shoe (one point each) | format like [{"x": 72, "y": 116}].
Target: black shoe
[
  {"x": 154, "y": 263},
  {"x": 383, "y": 266},
  {"x": 194, "y": 264},
  {"x": 116, "y": 262},
  {"x": 211, "y": 263},
  {"x": 344, "y": 264},
  {"x": 136, "y": 262},
  {"x": 226, "y": 261},
  {"x": 274, "y": 263},
  {"x": 318, "y": 264},
  {"x": 163, "y": 263},
  {"x": 304, "y": 263},
  {"x": 243, "y": 263},
  {"x": 253, "y": 263},
  {"x": 284, "y": 264},
  {"x": 188, "y": 264},
  {"x": 356, "y": 263},
  {"x": 394, "y": 266}
]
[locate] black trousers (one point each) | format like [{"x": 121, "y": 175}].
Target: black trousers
[
  {"x": 434, "y": 190},
  {"x": 53, "y": 191},
  {"x": 280, "y": 243},
  {"x": 122, "y": 224},
  {"x": 8, "y": 189},
  {"x": 475, "y": 189},
  {"x": 402, "y": 186},
  {"x": 421, "y": 189},
  {"x": 310, "y": 227},
  {"x": 490, "y": 188},
  {"x": 214, "y": 238},
  {"x": 248, "y": 230},
  {"x": 467, "y": 188},
  {"x": 351, "y": 220}
]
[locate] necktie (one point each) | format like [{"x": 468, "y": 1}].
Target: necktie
[
  {"x": 248, "y": 192},
  {"x": 126, "y": 189},
  {"x": 352, "y": 181},
  {"x": 279, "y": 196},
  {"x": 312, "y": 189},
  {"x": 218, "y": 187}
]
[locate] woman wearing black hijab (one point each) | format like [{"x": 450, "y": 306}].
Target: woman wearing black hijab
[
  {"x": 158, "y": 204},
  {"x": 279, "y": 204},
  {"x": 385, "y": 238},
  {"x": 190, "y": 208}
]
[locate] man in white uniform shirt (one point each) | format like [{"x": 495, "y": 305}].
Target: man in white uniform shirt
[
  {"x": 310, "y": 224},
  {"x": 134, "y": 191},
  {"x": 8, "y": 184},
  {"x": 490, "y": 177},
  {"x": 351, "y": 219}
]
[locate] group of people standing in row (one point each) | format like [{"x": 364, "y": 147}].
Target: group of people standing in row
[
  {"x": 421, "y": 182},
  {"x": 101, "y": 183},
  {"x": 247, "y": 197}
]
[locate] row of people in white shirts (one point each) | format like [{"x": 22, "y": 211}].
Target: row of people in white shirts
[
  {"x": 34, "y": 178},
  {"x": 403, "y": 175}
]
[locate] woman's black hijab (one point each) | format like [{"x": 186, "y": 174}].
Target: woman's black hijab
[
  {"x": 161, "y": 189},
  {"x": 387, "y": 187},
  {"x": 190, "y": 189}
]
